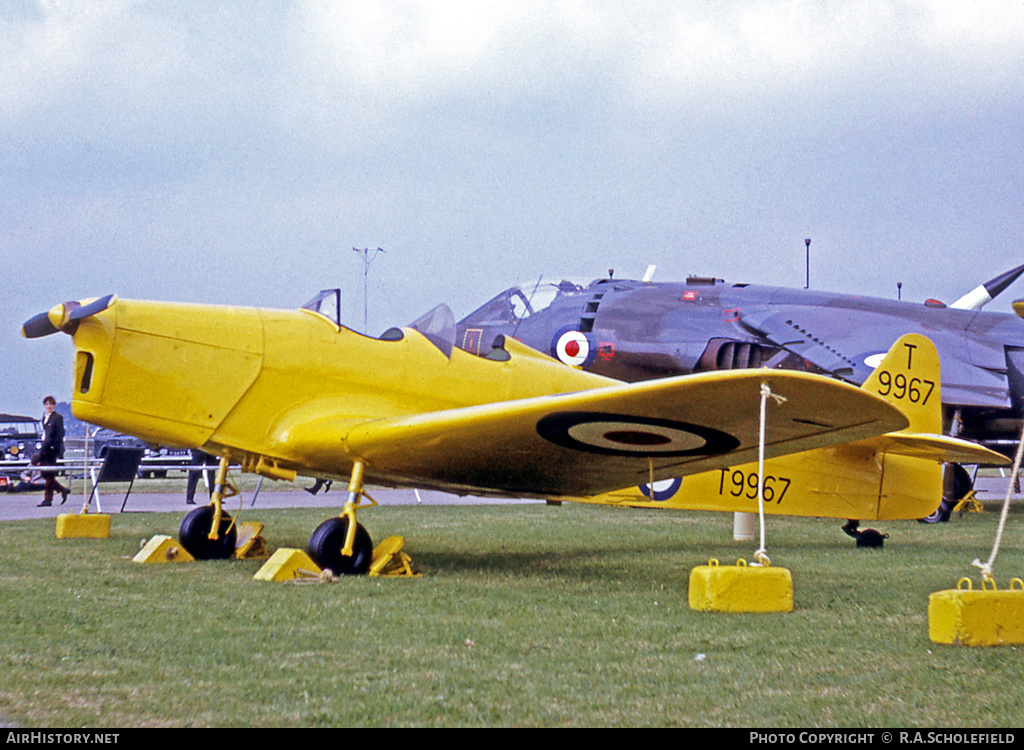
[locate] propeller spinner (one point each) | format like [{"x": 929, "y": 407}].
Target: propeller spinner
[{"x": 64, "y": 317}]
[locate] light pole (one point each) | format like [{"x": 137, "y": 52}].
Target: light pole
[
  {"x": 807, "y": 244},
  {"x": 367, "y": 255}
]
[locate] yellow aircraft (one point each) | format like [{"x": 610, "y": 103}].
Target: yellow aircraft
[
  {"x": 896, "y": 476},
  {"x": 290, "y": 392}
]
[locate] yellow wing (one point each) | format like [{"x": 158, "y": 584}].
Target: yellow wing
[{"x": 607, "y": 438}]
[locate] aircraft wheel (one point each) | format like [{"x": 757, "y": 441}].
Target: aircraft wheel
[
  {"x": 327, "y": 541},
  {"x": 956, "y": 484},
  {"x": 940, "y": 514},
  {"x": 194, "y": 535}
]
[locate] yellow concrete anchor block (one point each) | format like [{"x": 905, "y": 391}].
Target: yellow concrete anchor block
[
  {"x": 162, "y": 549},
  {"x": 740, "y": 588},
  {"x": 91, "y": 525},
  {"x": 288, "y": 565},
  {"x": 987, "y": 617}
]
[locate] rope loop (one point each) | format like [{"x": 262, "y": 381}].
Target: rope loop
[
  {"x": 766, "y": 393},
  {"x": 984, "y": 567},
  {"x": 987, "y": 567}
]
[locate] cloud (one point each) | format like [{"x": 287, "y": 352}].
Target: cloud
[
  {"x": 415, "y": 51},
  {"x": 166, "y": 78},
  {"x": 225, "y": 152}
]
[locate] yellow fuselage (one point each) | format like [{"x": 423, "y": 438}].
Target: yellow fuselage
[
  {"x": 280, "y": 392},
  {"x": 240, "y": 382},
  {"x": 848, "y": 481}
]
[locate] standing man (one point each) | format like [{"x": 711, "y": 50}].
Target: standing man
[
  {"x": 52, "y": 451},
  {"x": 199, "y": 458}
]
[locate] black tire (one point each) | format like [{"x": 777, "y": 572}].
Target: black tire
[
  {"x": 327, "y": 541},
  {"x": 956, "y": 483},
  {"x": 940, "y": 514},
  {"x": 194, "y": 535}
]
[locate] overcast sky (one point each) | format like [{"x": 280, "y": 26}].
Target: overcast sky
[{"x": 237, "y": 152}]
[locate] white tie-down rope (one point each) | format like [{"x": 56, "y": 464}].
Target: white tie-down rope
[
  {"x": 761, "y": 556},
  {"x": 986, "y": 567}
]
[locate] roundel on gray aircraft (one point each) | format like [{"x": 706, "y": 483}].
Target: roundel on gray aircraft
[{"x": 573, "y": 347}]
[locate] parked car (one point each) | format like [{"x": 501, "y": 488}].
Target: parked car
[
  {"x": 104, "y": 439},
  {"x": 155, "y": 455},
  {"x": 20, "y": 437}
]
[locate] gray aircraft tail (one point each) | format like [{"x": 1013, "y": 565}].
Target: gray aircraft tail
[{"x": 984, "y": 293}]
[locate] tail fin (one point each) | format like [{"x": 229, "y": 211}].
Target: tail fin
[{"x": 909, "y": 377}]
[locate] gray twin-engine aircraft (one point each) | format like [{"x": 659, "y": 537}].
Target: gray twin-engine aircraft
[{"x": 638, "y": 329}]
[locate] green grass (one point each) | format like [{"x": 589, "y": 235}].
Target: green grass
[{"x": 527, "y": 615}]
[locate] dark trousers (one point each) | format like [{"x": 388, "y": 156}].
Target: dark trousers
[
  {"x": 49, "y": 477},
  {"x": 193, "y": 482},
  {"x": 199, "y": 458},
  {"x": 51, "y": 484}
]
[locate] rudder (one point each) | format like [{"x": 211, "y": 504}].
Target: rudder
[{"x": 909, "y": 376}]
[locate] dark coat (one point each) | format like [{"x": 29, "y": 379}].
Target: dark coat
[{"x": 53, "y": 440}]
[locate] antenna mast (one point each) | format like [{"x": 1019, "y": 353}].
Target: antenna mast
[
  {"x": 807, "y": 244},
  {"x": 367, "y": 255}
]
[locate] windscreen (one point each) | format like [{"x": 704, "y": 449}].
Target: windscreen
[{"x": 519, "y": 302}]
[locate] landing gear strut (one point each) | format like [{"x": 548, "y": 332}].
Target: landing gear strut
[
  {"x": 956, "y": 483},
  {"x": 208, "y": 533},
  {"x": 341, "y": 544}
]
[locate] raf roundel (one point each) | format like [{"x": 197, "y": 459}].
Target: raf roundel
[
  {"x": 626, "y": 435},
  {"x": 662, "y": 491},
  {"x": 572, "y": 348}
]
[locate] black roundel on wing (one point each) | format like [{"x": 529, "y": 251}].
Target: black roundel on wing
[{"x": 625, "y": 435}]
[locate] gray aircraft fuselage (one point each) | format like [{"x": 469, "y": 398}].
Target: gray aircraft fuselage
[{"x": 635, "y": 330}]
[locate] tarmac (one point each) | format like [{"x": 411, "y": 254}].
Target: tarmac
[{"x": 24, "y": 505}]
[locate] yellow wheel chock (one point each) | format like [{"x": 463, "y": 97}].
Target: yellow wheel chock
[
  {"x": 294, "y": 565},
  {"x": 287, "y": 565},
  {"x": 970, "y": 503},
  {"x": 249, "y": 544},
  {"x": 162, "y": 549},
  {"x": 389, "y": 560},
  {"x": 985, "y": 617},
  {"x": 740, "y": 588}
]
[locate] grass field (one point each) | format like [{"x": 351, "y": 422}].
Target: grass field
[{"x": 527, "y": 615}]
